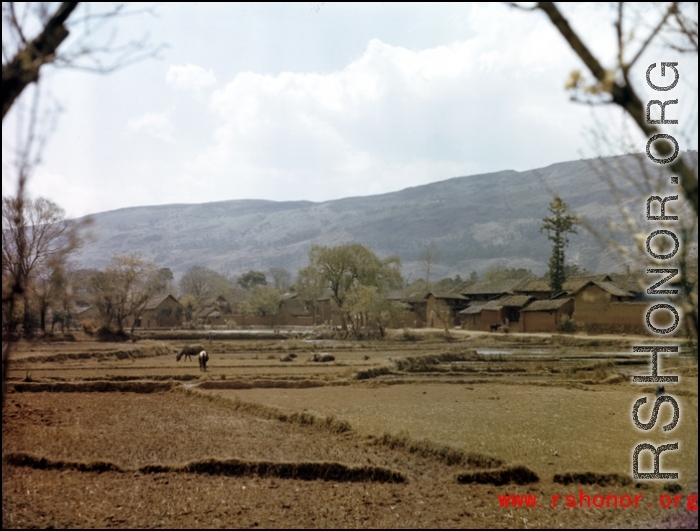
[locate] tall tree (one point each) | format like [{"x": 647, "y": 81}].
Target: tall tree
[
  {"x": 557, "y": 227},
  {"x": 345, "y": 268},
  {"x": 281, "y": 277},
  {"x": 428, "y": 258},
  {"x": 251, "y": 279},
  {"x": 127, "y": 284},
  {"x": 202, "y": 283},
  {"x": 36, "y": 236},
  {"x": 266, "y": 300}
]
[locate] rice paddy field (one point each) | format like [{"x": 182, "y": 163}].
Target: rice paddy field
[{"x": 416, "y": 430}]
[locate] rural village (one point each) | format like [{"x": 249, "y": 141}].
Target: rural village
[{"x": 439, "y": 313}]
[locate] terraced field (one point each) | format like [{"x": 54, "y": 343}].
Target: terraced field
[{"x": 395, "y": 433}]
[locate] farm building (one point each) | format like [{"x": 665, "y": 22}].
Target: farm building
[
  {"x": 603, "y": 307},
  {"x": 545, "y": 316},
  {"x": 492, "y": 315},
  {"x": 485, "y": 290},
  {"x": 512, "y": 306},
  {"x": 294, "y": 312},
  {"x": 540, "y": 289},
  {"x": 471, "y": 317},
  {"x": 436, "y": 301},
  {"x": 161, "y": 311}
]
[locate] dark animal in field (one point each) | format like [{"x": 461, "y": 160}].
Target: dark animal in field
[
  {"x": 660, "y": 391},
  {"x": 203, "y": 359},
  {"x": 189, "y": 351},
  {"x": 494, "y": 327},
  {"x": 292, "y": 355},
  {"x": 286, "y": 357},
  {"x": 323, "y": 357}
]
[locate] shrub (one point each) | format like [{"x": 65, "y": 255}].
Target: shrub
[
  {"x": 567, "y": 324},
  {"x": 89, "y": 326}
]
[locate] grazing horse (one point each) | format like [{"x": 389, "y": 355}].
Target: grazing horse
[
  {"x": 203, "y": 359},
  {"x": 189, "y": 351}
]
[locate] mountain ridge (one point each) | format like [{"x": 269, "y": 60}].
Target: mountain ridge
[{"x": 475, "y": 220}]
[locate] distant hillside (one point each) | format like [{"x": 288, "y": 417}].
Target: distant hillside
[{"x": 476, "y": 221}]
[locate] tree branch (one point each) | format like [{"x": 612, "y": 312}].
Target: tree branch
[
  {"x": 625, "y": 97},
  {"x": 24, "y": 67}
]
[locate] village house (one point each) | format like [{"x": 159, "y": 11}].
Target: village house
[
  {"x": 546, "y": 315},
  {"x": 540, "y": 289},
  {"x": 604, "y": 307},
  {"x": 471, "y": 316},
  {"x": 434, "y": 301},
  {"x": 486, "y": 290},
  {"x": 163, "y": 311}
]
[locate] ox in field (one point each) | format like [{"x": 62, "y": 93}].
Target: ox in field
[
  {"x": 203, "y": 359},
  {"x": 189, "y": 351}
]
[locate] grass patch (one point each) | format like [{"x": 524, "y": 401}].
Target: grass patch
[
  {"x": 443, "y": 453},
  {"x": 92, "y": 387},
  {"x": 326, "y": 471},
  {"x": 431, "y": 362},
  {"x": 261, "y": 383},
  {"x": 592, "y": 478},
  {"x": 520, "y": 475},
  {"x": 374, "y": 372}
]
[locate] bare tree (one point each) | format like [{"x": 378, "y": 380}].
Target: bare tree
[
  {"x": 23, "y": 57},
  {"x": 428, "y": 258},
  {"x": 92, "y": 48},
  {"x": 202, "y": 283},
  {"x": 281, "y": 277},
  {"x": 36, "y": 237},
  {"x": 124, "y": 288}
]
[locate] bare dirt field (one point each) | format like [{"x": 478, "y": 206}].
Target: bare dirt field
[{"x": 424, "y": 432}]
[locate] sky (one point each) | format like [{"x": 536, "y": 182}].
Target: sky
[{"x": 319, "y": 101}]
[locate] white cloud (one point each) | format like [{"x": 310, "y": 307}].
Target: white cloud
[
  {"x": 190, "y": 77},
  {"x": 157, "y": 125},
  {"x": 397, "y": 117}
]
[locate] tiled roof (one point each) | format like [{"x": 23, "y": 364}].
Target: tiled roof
[
  {"x": 606, "y": 286},
  {"x": 492, "y": 287},
  {"x": 516, "y": 301},
  {"x": 472, "y": 310},
  {"x": 552, "y": 304},
  {"x": 157, "y": 301},
  {"x": 492, "y": 305},
  {"x": 446, "y": 295}
]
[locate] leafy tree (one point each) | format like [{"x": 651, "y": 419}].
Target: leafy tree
[
  {"x": 251, "y": 279},
  {"x": 474, "y": 276},
  {"x": 166, "y": 280},
  {"x": 266, "y": 300},
  {"x": 345, "y": 268},
  {"x": 557, "y": 227},
  {"x": 245, "y": 308}
]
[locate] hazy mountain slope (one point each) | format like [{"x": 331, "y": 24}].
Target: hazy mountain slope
[{"x": 476, "y": 221}]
